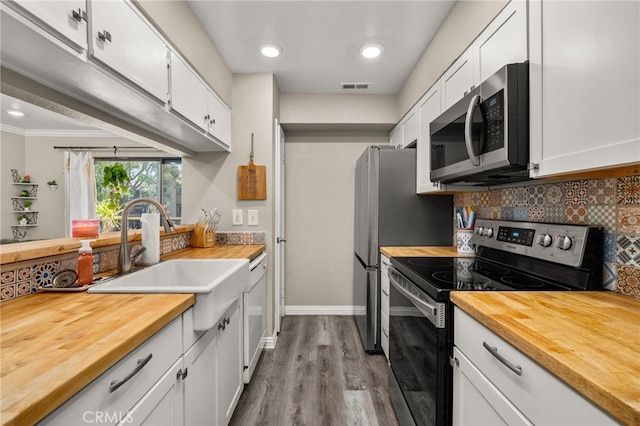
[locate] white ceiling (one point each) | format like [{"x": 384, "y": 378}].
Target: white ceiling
[{"x": 321, "y": 39}]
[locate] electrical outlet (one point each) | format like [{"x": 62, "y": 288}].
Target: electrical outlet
[
  {"x": 236, "y": 216},
  {"x": 252, "y": 217}
]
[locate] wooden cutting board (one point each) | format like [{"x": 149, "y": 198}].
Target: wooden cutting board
[{"x": 252, "y": 180}]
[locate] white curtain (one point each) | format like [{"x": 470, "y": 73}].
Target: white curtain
[{"x": 81, "y": 187}]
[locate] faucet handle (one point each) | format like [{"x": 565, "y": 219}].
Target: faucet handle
[{"x": 136, "y": 253}]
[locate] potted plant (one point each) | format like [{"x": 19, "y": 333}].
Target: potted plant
[
  {"x": 115, "y": 179},
  {"x": 25, "y": 179},
  {"x": 53, "y": 185},
  {"x": 24, "y": 193},
  {"x": 27, "y": 205},
  {"x": 23, "y": 220}
]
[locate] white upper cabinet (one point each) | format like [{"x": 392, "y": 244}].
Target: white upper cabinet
[
  {"x": 188, "y": 93},
  {"x": 410, "y": 128},
  {"x": 219, "y": 117},
  {"x": 458, "y": 79},
  {"x": 429, "y": 107},
  {"x": 67, "y": 19},
  {"x": 585, "y": 80},
  {"x": 127, "y": 44},
  {"x": 504, "y": 41},
  {"x": 395, "y": 136}
]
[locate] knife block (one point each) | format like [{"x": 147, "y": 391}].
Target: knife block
[{"x": 200, "y": 239}]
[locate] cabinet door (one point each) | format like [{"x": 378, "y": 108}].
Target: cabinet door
[
  {"x": 163, "y": 404},
  {"x": 127, "y": 44},
  {"x": 384, "y": 303},
  {"x": 503, "y": 42},
  {"x": 188, "y": 93},
  {"x": 458, "y": 79},
  {"x": 229, "y": 363},
  {"x": 476, "y": 401},
  {"x": 410, "y": 128},
  {"x": 200, "y": 385},
  {"x": 585, "y": 80},
  {"x": 395, "y": 137},
  {"x": 67, "y": 19},
  {"x": 219, "y": 119},
  {"x": 429, "y": 107}
]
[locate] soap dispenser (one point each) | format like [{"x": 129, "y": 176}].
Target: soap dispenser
[{"x": 85, "y": 263}]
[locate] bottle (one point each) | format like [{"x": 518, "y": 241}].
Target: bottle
[{"x": 85, "y": 263}]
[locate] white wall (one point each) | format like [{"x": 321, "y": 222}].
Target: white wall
[
  {"x": 11, "y": 157},
  {"x": 320, "y": 187}
]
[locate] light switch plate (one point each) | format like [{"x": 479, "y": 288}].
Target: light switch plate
[
  {"x": 236, "y": 216},
  {"x": 252, "y": 217}
]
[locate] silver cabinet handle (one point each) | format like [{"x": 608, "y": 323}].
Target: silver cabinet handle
[
  {"x": 386, "y": 293},
  {"x": 104, "y": 35},
  {"x": 385, "y": 331},
  {"x": 115, "y": 384},
  {"x": 225, "y": 322},
  {"x": 79, "y": 15},
  {"x": 494, "y": 351},
  {"x": 467, "y": 130},
  {"x": 182, "y": 374}
]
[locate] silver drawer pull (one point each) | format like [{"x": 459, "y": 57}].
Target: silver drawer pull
[
  {"x": 115, "y": 384},
  {"x": 385, "y": 331},
  {"x": 494, "y": 351},
  {"x": 386, "y": 293}
]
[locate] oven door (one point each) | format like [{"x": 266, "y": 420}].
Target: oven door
[{"x": 418, "y": 355}]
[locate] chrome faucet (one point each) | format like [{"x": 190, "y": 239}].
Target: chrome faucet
[{"x": 124, "y": 260}]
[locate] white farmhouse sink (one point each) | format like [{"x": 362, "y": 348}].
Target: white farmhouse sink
[{"x": 216, "y": 283}]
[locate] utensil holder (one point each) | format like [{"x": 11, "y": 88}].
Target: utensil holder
[
  {"x": 201, "y": 239},
  {"x": 464, "y": 241}
]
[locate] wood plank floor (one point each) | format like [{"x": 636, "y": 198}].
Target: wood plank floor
[{"x": 318, "y": 374}]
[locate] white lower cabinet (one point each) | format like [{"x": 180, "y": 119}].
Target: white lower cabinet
[
  {"x": 167, "y": 382},
  {"x": 494, "y": 383}
]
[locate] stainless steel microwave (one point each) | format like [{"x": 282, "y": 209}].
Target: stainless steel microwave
[{"x": 483, "y": 139}]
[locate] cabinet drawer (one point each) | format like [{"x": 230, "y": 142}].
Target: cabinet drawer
[
  {"x": 95, "y": 401},
  {"x": 542, "y": 398},
  {"x": 384, "y": 333}
]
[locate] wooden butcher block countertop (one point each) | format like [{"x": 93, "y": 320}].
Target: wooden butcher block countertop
[
  {"x": 54, "y": 344},
  {"x": 590, "y": 340},
  {"x": 435, "y": 251}
]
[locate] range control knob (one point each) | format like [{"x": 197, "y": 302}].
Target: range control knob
[
  {"x": 480, "y": 231},
  {"x": 564, "y": 242},
  {"x": 488, "y": 232},
  {"x": 544, "y": 240}
]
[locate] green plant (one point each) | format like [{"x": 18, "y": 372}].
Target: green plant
[
  {"x": 28, "y": 203},
  {"x": 24, "y": 193},
  {"x": 52, "y": 183},
  {"x": 114, "y": 179}
]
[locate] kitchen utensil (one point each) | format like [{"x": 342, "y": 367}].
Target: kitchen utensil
[{"x": 252, "y": 180}]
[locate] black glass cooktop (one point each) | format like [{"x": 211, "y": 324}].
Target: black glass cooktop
[{"x": 437, "y": 276}]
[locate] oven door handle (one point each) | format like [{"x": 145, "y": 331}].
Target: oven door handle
[
  {"x": 468, "y": 121},
  {"x": 420, "y": 304}
]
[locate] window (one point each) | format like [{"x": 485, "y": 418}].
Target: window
[{"x": 157, "y": 178}]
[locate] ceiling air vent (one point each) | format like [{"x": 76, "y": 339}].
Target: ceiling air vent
[{"x": 355, "y": 86}]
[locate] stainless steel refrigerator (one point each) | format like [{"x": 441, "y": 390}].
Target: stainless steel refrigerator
[{"x": 388, "y": 212}]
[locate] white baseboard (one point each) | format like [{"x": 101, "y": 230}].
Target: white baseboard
[
  {"x": 270, "y": 341},
  {"x": 321, "y": 310}
]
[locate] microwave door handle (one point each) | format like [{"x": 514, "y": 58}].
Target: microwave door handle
[{"x": 467, "y": 130}]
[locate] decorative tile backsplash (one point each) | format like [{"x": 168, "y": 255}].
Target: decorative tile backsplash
[{"x": 613, "y": 203}]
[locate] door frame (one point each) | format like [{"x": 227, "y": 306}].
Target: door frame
[{"x": 279, "y": 238}]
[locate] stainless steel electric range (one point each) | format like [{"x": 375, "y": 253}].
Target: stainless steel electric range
[{"x": 510, "y": 256}]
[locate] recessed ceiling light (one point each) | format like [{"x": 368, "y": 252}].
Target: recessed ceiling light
[
  {"x": 372, "y": 50},
  {"x": 16, "y": 113},
  {"x": 270, "y": 50}
]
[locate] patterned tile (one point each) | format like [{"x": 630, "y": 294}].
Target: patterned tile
[
  {"x": 628, "y": 250},
  {"x": 495, "y": 198},
  {"x": 609, "y": 276},
  {"x": 604, "y": 215},
  {"x": 24, "y": 274},
  {"x": 520, "y": 196},
  {"x": 484, "y": 198},
  {"x": 484, "y": 212},
  {"x": 536, "y": 214},
  {"x": 536, "y": 196},
  {"x": 175, "y": 244},
  {"x": 555, "y": 195},
  {"x": 610, "y": 249},
  {"x": 23, "y": 288},
  {"x": 109, "y": 260},
  {"x": 7, "y": 292},
  {"x": 475, "y": 199},
  {"x": 495, "y": 212},
  {"x": 458, "y": 199},
  {"x": 467, "y": 199},
  {"x": 602, "y": 191},
  {"x": 260, "y": 238},
  {"x": 43, "y": 273},
  {"x": 628, "y": 222},
  {"x": 576, "y": 214},
  {"x": 521, "y": 213},
  {"x": 629, "y": 190},
  {"x": 628, "y": 280},
  {"x": 96, "y": 262},
  {"x": 70, "y": 262},
  {"x": 166, "y": 246},
  {"x": 507, "y": 196},
  {"x": 575, "y": 193},
  {"x": 507, "y": 213},
  {"x": 555, "y": 214},
  {"x": 8, "y": 277}
]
